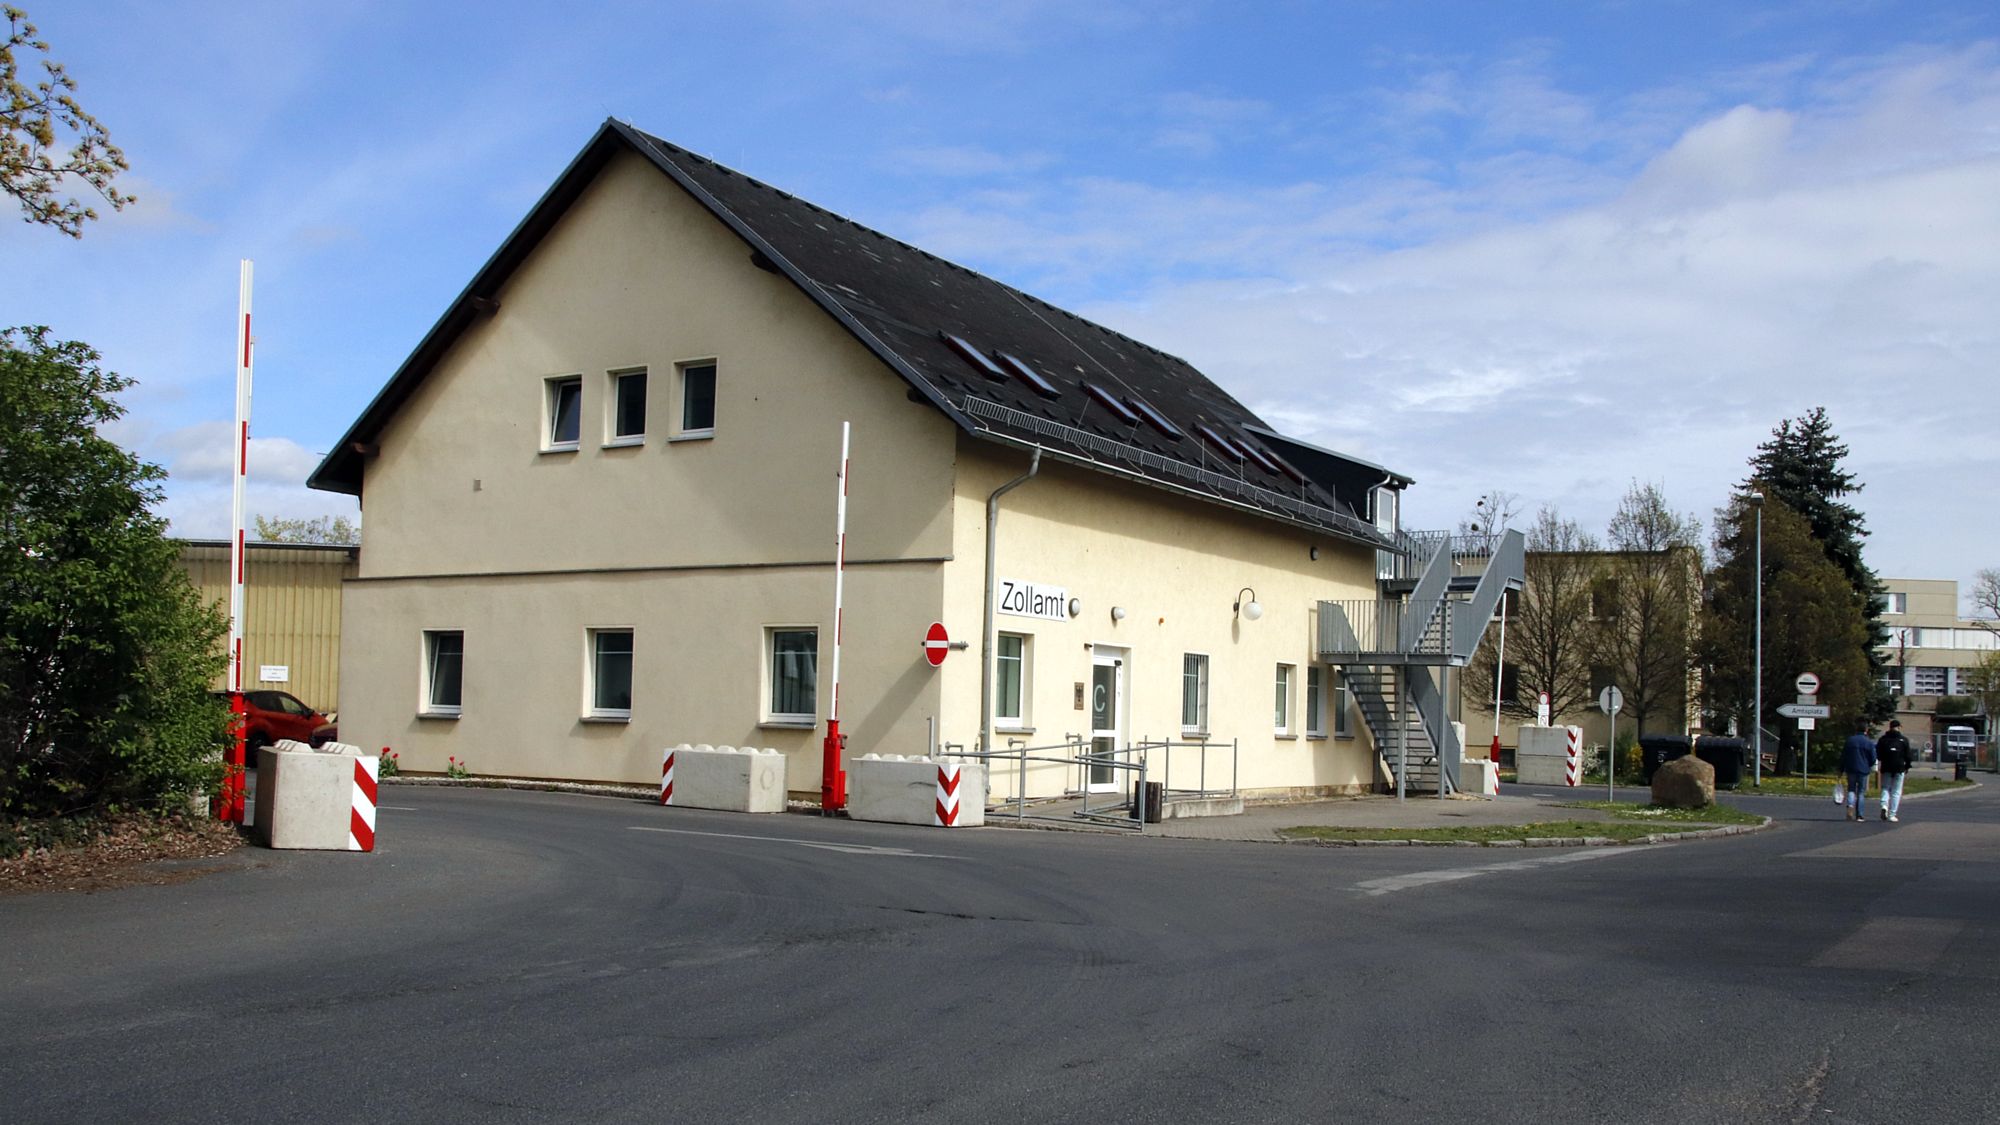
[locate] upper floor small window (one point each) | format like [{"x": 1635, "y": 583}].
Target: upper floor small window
[
  {"x": 563, "y": 410},
  {"x": 628, "y": 407},
  {"x": 1896, "y": 601},
  {"x": 697, "y": 393}
]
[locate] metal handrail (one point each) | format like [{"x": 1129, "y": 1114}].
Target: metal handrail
[
  {"x": 1166, "y": 747},
  {"x": 1359, "y": 626}
]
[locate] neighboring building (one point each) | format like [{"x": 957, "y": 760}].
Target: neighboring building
[
  {"x": 600, "y": 506},
  {"x": 1678, "y": 712},
  {"x": 291, "y": 611},
  {"x": 1931, "y": 649}
]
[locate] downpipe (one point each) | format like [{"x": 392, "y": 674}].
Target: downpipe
[{"x": 988, "y": 640}]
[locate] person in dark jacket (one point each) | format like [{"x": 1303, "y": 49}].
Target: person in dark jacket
[
  {"x": 1892, "y": 753},
  {"x": 1857, "y": 761}
]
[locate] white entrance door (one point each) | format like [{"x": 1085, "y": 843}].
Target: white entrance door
[{"x": 1107, "y": 714}]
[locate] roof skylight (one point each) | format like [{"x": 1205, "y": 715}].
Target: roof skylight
[
  {"x": 1029, "y": 375},
  {"x": 1111, "y": 403},
  {"x": 1222, "y": 444},
  {"x": 1154, "y": 417},
  {"x": 975, "y": 357}
]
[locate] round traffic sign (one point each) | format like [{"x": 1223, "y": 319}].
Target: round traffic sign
[
  {"x": 936, "y": 643},
  {"x": 1807, "y": 683},
  {"x": 1611, "y": 700}
]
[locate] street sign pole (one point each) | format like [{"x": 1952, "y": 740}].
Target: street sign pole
[{"x": 1611, "y": 701}]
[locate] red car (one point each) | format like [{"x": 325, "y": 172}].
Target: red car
[{"x": 270, "y": 717}]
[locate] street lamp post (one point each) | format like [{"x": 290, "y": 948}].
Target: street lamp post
[{"x": 1757, "y": 707}]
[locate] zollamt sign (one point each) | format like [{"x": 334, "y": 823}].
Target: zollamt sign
[{"x": 1031, "y": 599}]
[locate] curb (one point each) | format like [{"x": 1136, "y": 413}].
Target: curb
[{"x": 1546, "y": 841}]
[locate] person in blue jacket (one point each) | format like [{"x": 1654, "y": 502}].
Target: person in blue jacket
[{"x": 1857, "y": 761}]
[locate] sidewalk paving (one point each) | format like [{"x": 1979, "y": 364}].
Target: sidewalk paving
[{"x": 1262, "y": 822}]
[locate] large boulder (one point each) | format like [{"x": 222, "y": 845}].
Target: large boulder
[{"x": 1684, "y": 783}]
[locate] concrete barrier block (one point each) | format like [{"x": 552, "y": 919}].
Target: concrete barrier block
[
  {"x": 1543, "y": 755},
  {"x": 1479, "y": 775},
  {"x": 729, "y": 779},
  {"x": 894, "y": 789},
  {"x": 305, "y": 797}
]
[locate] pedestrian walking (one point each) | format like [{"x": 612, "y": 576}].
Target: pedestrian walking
[
  {"x": 1892, "y": 753},
  {"x": 1857, "y": 761}
]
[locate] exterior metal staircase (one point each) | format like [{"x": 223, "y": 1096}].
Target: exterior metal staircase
[{"x": 1439, "y": 596}]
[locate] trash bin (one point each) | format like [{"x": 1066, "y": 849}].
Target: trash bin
[
  {"x": 1148, "y": 800},
  {"x": 1958, "y": 770},
  {"x": 1726, "y": 755},
  {"x": 1656, "y": 750}
]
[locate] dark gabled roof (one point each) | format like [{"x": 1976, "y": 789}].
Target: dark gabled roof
[{"x": 955, "y": 336}]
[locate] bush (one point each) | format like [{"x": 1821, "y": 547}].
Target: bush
[{"x": 106, "y": 650}]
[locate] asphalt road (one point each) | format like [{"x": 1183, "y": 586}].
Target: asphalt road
[{"x": 537, "y": 957}]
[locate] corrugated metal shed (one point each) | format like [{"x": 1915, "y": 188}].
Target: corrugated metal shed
[{"x": 291, "y": 609}]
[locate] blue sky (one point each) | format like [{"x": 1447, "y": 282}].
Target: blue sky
[{"x": 1539, "y": 248}]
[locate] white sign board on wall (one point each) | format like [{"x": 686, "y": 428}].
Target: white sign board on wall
[
  {"x": 274, "y": 673},
  {"x": 1030, "y": 599}
]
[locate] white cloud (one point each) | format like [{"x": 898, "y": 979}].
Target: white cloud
[{"x": 204, "y": 452}]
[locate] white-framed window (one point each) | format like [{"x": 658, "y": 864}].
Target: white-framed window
[
  {"x": 1010, "y": 681},
  {"x": 1315, "y": 701},
  {"x": 609, "y": 690},
  {"x": 1896, "y": 601},
  {"x": 562, "y": 412},
  {"x": 694, "y": 389},
  {"x": 627, "y": 404},
  {"x": 1281, "y": 713},
  {"x": 444, "y": 673},
  {"x": 792, "y": 674},
  {"x": 1342, "y": 724},
  {"x": 1194, "y": 693}
]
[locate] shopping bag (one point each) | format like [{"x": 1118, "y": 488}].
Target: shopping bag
[{"x": 1839, "y": 792}]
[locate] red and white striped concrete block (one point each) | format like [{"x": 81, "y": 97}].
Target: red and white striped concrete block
[
  {"x": 1573, "y": 767},
  {"x": 948, "y": 775},
  {"x": 361, "y": 824},
  {"x": 667, "y": 778}
]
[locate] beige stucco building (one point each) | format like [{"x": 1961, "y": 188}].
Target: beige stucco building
[
  {"x": 1932, "y": 647},
  {"x": 600, "y": 512}
]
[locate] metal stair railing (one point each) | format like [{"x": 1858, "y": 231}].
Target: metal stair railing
[
  {"x": 1425, "y": 699},
  {"x": 1505, "y": 570}
]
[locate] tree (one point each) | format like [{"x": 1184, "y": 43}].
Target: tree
[
  {"x": 1801, "y": 467},
  {"x": 106, "y": 650},
  {"x": 1985, "y": 597},
  {"x": 33, "y": 119},
  {"x": 1491, "y": 515},
  {"x": 1982, "y": 682},
  {"x": 1814, "y": 621},
  {"x": 325, "y": 529},
  {"x": 1551, "y": 639},
  {"x": 1651, "y": 587}
]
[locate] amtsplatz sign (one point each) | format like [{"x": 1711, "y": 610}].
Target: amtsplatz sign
[{"x": 936, "y": 643}]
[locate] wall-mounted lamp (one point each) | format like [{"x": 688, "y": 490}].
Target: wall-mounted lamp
[
  {"x": 1075, "y": 606},
  {"x": 1313, "y": 553},
  {"x": 1117, "y": 613},
  {"x": 1247, "y": 607}
]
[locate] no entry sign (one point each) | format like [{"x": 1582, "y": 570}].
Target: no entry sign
[{"x": 936, "y": 643}]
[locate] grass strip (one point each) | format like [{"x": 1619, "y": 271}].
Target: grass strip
[
  {"x": 1823, "y": 787},
  {"x": 1491, "y": 833},
  {"x": 1658, "y": 814}
]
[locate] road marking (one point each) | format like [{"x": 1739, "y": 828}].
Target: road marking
[
  {"x": 849, "y": 849},
  {"x": 1893, "y": 944},
  {"x": 1451, "y": 874},
  {"x": 399, "y": 808}
]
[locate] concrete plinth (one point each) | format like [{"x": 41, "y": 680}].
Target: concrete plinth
[
  {"x": 1543, "y": 756},
  {"x": 729, "y": 778},
  {"x": 305, "y": 797},
  {"x": 896, "y": 790}
]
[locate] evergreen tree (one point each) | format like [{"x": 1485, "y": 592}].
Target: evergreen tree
[
  {"x": 1800, "y": 466},
  {"x": 1813, "y": 622}
]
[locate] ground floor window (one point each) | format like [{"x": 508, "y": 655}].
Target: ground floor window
[
  {"x": 1194, "y": 693},
  {"x": 610, "y": 673},
  {"x": 1341, "y": 725},
  {"x": 1315, "y": 701},
  {"x": 1010, "y": 679},
  {"x": 444, "y": 662},
  {"x": 1281, "y": 715},
  {"x": 794, "y": 675}
]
